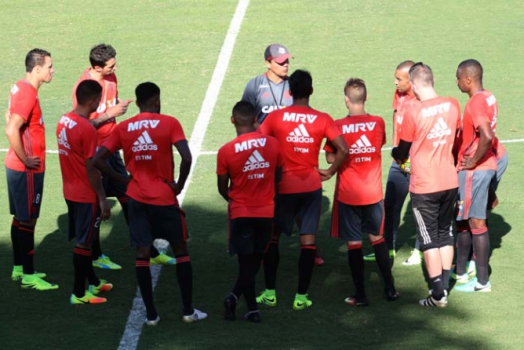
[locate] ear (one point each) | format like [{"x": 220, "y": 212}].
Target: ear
[
  {"x": 98, "y": 68},
  {"x": 312, "y": 90},
  {"x": 232, "y": 120},
  {"x": 268, "y": 64},
  {"x": 346, "y": 99}
]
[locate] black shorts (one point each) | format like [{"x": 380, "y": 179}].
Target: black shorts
[
  {"x": 302, "y": 208},
  {"x": 249, "y": 235},
  {"x": 433, "y": 213},
  {"x": 148, "y": 222},
  {"x": 114, "y": 188},
  {"x": 351, "y": 222},
  {"x": 84, "y": 221},
  {"x": 25, "y": 190}
]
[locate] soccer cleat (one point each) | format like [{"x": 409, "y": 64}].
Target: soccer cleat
[
  {"x": 391, "y": 293},
  {"x": 103, "y": 262},
  {"x": 392, "y": 254},
  {"x": 354, "y": 301},
  {"x": 461, "y": 279},
  {"x": 152, "y": 322},
  {"x": 414, "y": 259},
  {"x": 88, "y": 298},
  {"x": 369, "y": 257},
  {"x": 432, "y": 302},
  {"x": 252, "y": 316},
  {"x": 472, "y": 268},
  {"x": 268, "y": 298},
  {"x": 301, "y": 302},
  {"x": 197, "y": 315},
  {"x": 18, "y": 273},
  {"x": 35, "y": 282},
  {"x": 230, "y": 306},
  {"x": 162, "y": 259},
  {"x": 474, "y": 286},
  {"x": 104, "y": 286}
]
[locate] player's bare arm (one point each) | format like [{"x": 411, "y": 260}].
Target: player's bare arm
[
  {"x": 99, "y": 161},
  {"x": 330, "y": 157},
  {"x": 223, "y": 186},
  {"x": 185, "y": 166},
  {"x": 341, "y": 154},
  {"x": 485, "y": 142},
  {"x": 12, "y": 131},
  {"x": 113, "y": 112},
  {"x": 96, "y": 182}
]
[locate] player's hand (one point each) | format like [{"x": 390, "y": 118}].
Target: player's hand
[
  {"x": 467, "y": 163},
  {"x": 32, "y": 162},
  {"x": 325, "y": 174},
  {"x": 119, "y": 109},
  {"x": 175, "y": 187},
  {"x": 105, "y": 209}
]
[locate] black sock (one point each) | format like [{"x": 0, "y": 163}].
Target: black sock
[
  {"x": 306, "y": 263},
  {"x": 463, "y": 249},
  {"x": 90, "y": 273},
  {"x": 271, "y": 260},
  {"x": 96, "y": 250},
  {"x": 184, "y": 274},
  {"x": 437, "y": 287},
  {"x": 81, "y": 261},
  {"x": 246, "y": 280},
  {"x": 383, "y": 262},
  {"x": 356, "y": 265},
  {"x": 143, "y": 275},
  {"x": 26, "y": 245},
  {"x": 481, "y": 249},
  {"x": 445, "y": 279},
  {"x": 17, "y": 258}
]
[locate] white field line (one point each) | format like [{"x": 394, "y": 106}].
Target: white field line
[{"x": 135, "y": 321}]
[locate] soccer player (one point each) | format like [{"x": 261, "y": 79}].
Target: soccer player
[
  {"x": 300, "y": 131},
  {"x": 86, "y": 201},
  {"x": 357, "y": 206},
  {"x": 25, "y": 166},
  {"x": 246, "y": 179},
  {"x": 147, "y": 140},
  {"x": 427, "y": 136},
  {"x": 477, "y": 165},
  {"x": 103, "y": 65}
]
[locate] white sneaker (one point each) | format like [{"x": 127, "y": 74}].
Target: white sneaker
[
  {"x": 196, "y": 316},
  {"x": 414, "y": 259},
  {"x": 152, "y": 322}
]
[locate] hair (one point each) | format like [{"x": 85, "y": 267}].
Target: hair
[
  {"x": 244, "y": 113},
  {"x": 145, "y": 92},
  {"x": 355, "y": 90},
  {"x": 421, "y": 73},
  {"x": 87, "y": 90},
  {"x": 405, "y": 65},
  {"x": 35, "y": 57},
  {"x": 300, "y": 84},
  {"x": 472, "y": 68},
  {"x": 100, "y": 54}
]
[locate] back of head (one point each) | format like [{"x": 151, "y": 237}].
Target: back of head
[
  {"x": 244, "y": 113},
  {"x": 146, "y": 92},
  {"x": 100, "y": 54},
  {"x": 300, "y": 84},
  {"x": 35, "y": 57},
  {"x": 421, "y": 74},
  {"x": 472, "y": 68},
  {"x": 87, "y": 91},
  {"x": 355, "y": 90}
]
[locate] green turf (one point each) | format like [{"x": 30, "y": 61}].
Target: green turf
[{"x": 176, "y": 44}]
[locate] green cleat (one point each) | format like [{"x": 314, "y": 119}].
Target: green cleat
[
  {"x": 88, "y": 298},
  {"x": 301, "y": 302},
  {"x": 103, "y": 262},
  {"x": 18, "y": 273},
  {"x": 102, "y": 287},
  {"x": 162, "y": 259},
  {"x": 369, "y": 257},
  {"x": 267, "y": 297},
  {"x": 35, "y": 282}
]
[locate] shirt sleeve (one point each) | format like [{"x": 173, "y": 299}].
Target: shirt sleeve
[
  {"x": 221, "y": 161},
  {"x": 383, "y": 128},
  {"x": 457, "y": 105},
  {"x": 479, "y": 112},
  {"x": 407, "y": 131},
  {"x": 90, "y": 140},
  {"x": 177, "y": 133},
  {"x": 267, "y": 128},
  {"x": 331, "y": 131},
  {"x": 22, "y": 102}
]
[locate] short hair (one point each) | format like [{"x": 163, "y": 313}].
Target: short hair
[
  {"x": 244, "y": 113},
  {"x": 355, "y": 90},
  {"x": 35, "y": 57},
  {"x": 472, "y": 68},
  {"x": 300, "y": 84},
  {"x": 100, "y": 54},
  {"x": 405, "y": 65},
  {"x": 421, "y": 72},
  {"x": 146, "y": 91},
  {"x": 87, "y": 90}
]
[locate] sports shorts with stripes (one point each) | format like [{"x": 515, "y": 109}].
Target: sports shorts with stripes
[
  {"x": 84, "y": 221},
  {"x": 502, "y": 165},
  {"x": 249, "y": 235},
  {"x": 473, "y": 193},
  {"x": 148, "y": 222},
  {"x": 25, "y": 190},
  {"x": 302, "y": 208},
  {"x": 433, "y": 213},
  {"x": 351, "y": 222}
]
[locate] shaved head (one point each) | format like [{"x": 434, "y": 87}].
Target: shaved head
[
  {"x": 355, "y": 90},
  {"x": 405, "y": 65},
  {"x": 471, "y": 69},
  {"x": 421, "y": 74}
]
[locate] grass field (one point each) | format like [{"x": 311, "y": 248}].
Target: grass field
[{"x": 176, "y": 45}]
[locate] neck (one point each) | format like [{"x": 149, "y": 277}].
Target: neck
[
  {"x": 95, "y": 75},
  {"x": 244, "y": 129},
  {"x": 427, "y": 94},
  {"x": 357, "y": 110},
  {"x": 82, "y": 111},
  {"x": 410, "y": 93},
  {"x": 274, "y": 78},
  {"x": 149, "y": 110},
  {"x": 474, "y": 89},
  {"x": 31, "y": 79},
  {"x": 301, "y": 102}
]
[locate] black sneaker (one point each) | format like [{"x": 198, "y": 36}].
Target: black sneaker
[
  {"x": 253, "y": 316},
  {"x": 230, "y": 306},
  {"x": 391, "y": 293}
]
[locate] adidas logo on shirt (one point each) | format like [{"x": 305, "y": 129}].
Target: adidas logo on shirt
[
  {"x": 300, "y": 135},
  {"x": 439, "y": 129},
  {"x": 362, "y": 146},
  {"x": 255, "y": 161},
  {"x": 144, "y": 143},
  {"x": 62, "y": 139}
]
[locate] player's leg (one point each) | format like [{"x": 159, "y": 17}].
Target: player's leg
[
  {"x": 13, "y": 179},
  {"x": 445, "y": 231},
  {"x": 397, "y": 187}
]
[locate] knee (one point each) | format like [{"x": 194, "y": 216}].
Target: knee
[{"x": 143, "y": 252}]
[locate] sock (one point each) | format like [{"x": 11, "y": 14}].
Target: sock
[
  {"x": 81, "y": 261},
  {"x": 437, "y": 287},
  {"x": 246, "y": 280},
  {"x": 356, "y": 265},
  {"x": 17, "y": 258},
  {"x": 184, "y": 274},
  {"x": 383, "y": 262},
  {"x": 306, "y": 263},
  {"x": 271, "y": 260},
  {"x": 90, "y": 273},
  {"x": 26, "y": 245},
  {"x": 481, "y": 248},
  {"x": 143, "y": 275},
  {"x": 96, "y": 250},
  {"x": 445, "y": 279},
  {"x": 463, "y": 249}
]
